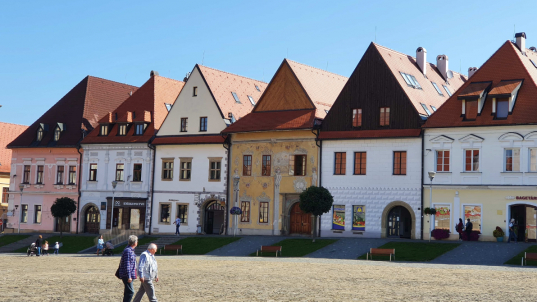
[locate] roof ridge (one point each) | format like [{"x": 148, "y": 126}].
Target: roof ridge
[
  {"x": 316, "y": 68},
  {"x": 519, "y": 56},
  {"x": 14, "y": 124},
  {"x": 169, "y": 78},
  {"x": 90, "y": 76},
  {"x": 234, "y": 74}
]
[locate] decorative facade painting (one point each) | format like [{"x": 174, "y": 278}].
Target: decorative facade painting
[
  {"x": 474, "y": 214},
  {"x": 358, "y": 218},
  {"x": 338, "y": 222},
  {"x": 442, "y": 217}
]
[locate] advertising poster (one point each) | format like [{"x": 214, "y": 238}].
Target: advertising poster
[
  {"x": 474, "y": 214},
  {"x": 338, "y": 221},
  {"x": 358, "y": 218},
  {"x": 442, "y": 217}
]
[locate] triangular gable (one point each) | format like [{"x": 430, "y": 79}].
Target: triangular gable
[
  {"x": 471, "y": 138},
  {"x": 442, "y": 139}
]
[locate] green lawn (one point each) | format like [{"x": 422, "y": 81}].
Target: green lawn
[
  {"x": 201, "y": 245},
  {"x": 7, "y": 239},
  {"x": 71, "y": 244},
  {"x": 517, "y": 260},
  {"x": 145, "y": 240},
  {"x": 415, "y": 251},
  {"x": 299, "y": 247}
]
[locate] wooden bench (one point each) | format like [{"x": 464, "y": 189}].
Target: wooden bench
[
  {"x": 528, "y": 256},
  {"x": 384, "y": 252},
  {"x": 173, "y": 247},
  {"x": 269, "y": 249}
]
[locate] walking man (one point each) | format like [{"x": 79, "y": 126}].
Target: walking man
[
  {"x": 468, "y": 229},
  {"x": 148, "y": 271},
  {"x": 512, "y": 232},
  {"x": 127, "y": 268},
  {"x": 177, "y": 225}
]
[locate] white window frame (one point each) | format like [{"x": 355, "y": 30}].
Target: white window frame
[
  {"x": 463, "y": 214},
  {"x": 464, "y": 160},
  {"x": 433, "y": 220},
  {"x": 436, "y": 160},
  {"x": 505, "y": 160},
  {"x": 529, "y": 160}
]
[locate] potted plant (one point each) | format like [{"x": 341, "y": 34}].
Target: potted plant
[
  {"x": 498, "y": 233},
  {"x": 439, "y": 234}
]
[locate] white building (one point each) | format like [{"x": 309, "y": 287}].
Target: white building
[
  {"x": 191, "y": 170},
  {"x": 118, "y": 151}
]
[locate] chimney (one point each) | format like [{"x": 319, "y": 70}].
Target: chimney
[
  {"x": 153, "y": 73},
  {"x": 442, "y": 65},
  {"x": 533, "y": 49},
  {"x": 521, "y": 41},
  {"x": 421, "y": 59},
  {"x": 471, "y": 71}
]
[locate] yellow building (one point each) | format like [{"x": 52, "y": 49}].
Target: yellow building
[{"x": 274, "y": 153}]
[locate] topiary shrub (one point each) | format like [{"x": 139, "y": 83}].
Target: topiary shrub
[
  {"x": 440, "y": 234},
  {"x": 474, "y": 236}
]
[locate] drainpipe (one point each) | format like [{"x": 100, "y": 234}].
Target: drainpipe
[
  {"x": 320, "y": 178},
  {"x": 79, "y": 187},
  {"x": 227, "y": 146},
  {"x": 152, "y": 173},
  {"x": 422, "y": 183}
]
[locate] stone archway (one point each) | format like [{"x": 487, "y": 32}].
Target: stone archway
[
  {"x": 203, "y": 204},
  {"x": 90, "y": 211},
  {"x": 386, "y": 211},
  {"x": 83, "y": 216}
]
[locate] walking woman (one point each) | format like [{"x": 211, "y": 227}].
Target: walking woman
[
  {"x": 459, "y": 227},
  {"x": 100, "y": 245}
]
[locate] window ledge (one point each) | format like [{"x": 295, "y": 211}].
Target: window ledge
[
  {"x": 164, "y": 223},
  {"x": 137, "y": 181},
  {"x": 358, "y": 232},
  {"x": 530, "y": 172},
  {"x": 166, "y": 179},
  {"x": 512, "y": 172},
  {"x": 443, "y": 172},
  {"x": 214, "y": 180},
  {"x": 92, "y": 181},
  {"x": 471, "y": 172},
  {"x": 184, "y": 179},
  {"x": 337, "y": 231}
]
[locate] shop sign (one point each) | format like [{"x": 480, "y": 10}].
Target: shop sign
[
  {"x": 521, "y": 197},
  {"x": 129, "y": 203}
]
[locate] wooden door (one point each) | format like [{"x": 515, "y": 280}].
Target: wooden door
[
  {"x": 93, "y": 219},
  {"x": 300, "y": 221}
]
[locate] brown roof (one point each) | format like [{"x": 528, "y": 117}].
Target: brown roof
[
  {"x": 322, "y": 87},
  {"x": 399, "y": 62},
  {"x": 188, "y": 140},
  {"x": 387, "y": 133},
  {"x": 149, "y": 101},
  {"x": 504, "y": 88},
  {"x": 274, "y": 120},
  {"x": 222, "y": 84},
  {"x": 80, "y": 108},
  {"x": 8, "y": 132},
  {"x": 506, "y": 64},
  {"x": 474, "y": 90}
]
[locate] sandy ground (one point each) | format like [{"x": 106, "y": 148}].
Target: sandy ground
[{"x": 202, "y": 278}]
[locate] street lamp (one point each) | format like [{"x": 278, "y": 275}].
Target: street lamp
[
  {"x": 21, "y": 187},
  {"x": 431, "y": 177},
  {"x": 114, "y": 184},
  {"x": 236, "y": 180}
]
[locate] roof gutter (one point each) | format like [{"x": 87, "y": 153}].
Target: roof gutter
[{"x": 422, "y": 178}]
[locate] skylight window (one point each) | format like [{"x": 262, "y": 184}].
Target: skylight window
[
  {"x": 437, "y": 89},
  {"x": 326, "y": 111},
  {"x": 533, "y": 62},
  {"x": 433, "y": 107},
  {"x": 425, "y": 108},
  {"x": 168, "y": 106},
  {"x": 232, "y": 118},
  {"x": 447, "y": 90},
  {"x": 236, "y": 97},
  {"x": 410, "y": 80},
  {"x": 251, "y": 100},
  {"x": 256, "y": 87}
]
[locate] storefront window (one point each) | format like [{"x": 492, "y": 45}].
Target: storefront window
[
  {"x": 358, "y": 218},
  {"x": 338, "y": 221},
  {"x": 474, "y": 214},
  {"x": 165, "y": 213},
  {"x": 442, "y": 217}
]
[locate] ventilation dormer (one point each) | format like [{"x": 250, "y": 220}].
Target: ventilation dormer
[
  {"x": 473, "y": 99},
  {"x": 41, "y": 131},
  {"x": 60, "y": 127}
]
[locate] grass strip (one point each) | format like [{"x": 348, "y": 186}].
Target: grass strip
[
  {"x": 299, "y": 247},
  {"x": 7, "y": 239},
  {"x": 415, "y": 251},
  {"x": 71, "y": 244},
  {"x": 517, "y": 260},
  {"x": 200, "y": 245},
  {"x": 141, "y": 241}
]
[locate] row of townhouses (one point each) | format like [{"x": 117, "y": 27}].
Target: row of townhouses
[{"x": 397, "y": 132}]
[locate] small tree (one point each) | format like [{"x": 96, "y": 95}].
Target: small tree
[
  {"x": 316, "y": 201},
  {"x": 63, "y": 207}
]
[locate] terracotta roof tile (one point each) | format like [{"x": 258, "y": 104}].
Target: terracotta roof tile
[
  {"x": 504, "y": 88},
  {"x": 188, "y": 139},
  {"x": 506, "y": 64},
  {"x": 149, "y": 100},
  {"x": 81, "y": 108},
  {"x": 399, "y": 62},
  {"x": 8, "y": 132},
  {"x": 273, "y": 120},
  {"x": 387, "y": 133},
  {"x": 474, "y": 90},
  {"x": 222, "y": 84}
]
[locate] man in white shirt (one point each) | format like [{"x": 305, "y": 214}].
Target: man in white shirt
[
  {"x": 177, "y": 225},
  {"x": 147, "y": 271}
]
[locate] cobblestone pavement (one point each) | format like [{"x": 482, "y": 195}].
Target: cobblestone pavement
[{"x": 481, "y": 253}]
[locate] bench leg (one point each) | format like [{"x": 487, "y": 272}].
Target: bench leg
[
  {"x": 177, "y": 252},
  {"x": 257, "y": 253},
  {"x": 390, "y": 257}
]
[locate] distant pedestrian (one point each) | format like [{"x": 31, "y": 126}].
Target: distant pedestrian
[
  {"x": 459, "y": 227},
  {"x": 56, "y": 248},
  {"x": 38, "y": 245},
  {"x": 127, "y": 268},
  {"x": 512, "y": 231},
  {"x": 45, "y": 248},
  {"x": 177, "y": 225},
  {"x": 100, "y": 244},
  {"x": 468, "y": 230},
  {"x": 148, "y": 271}
]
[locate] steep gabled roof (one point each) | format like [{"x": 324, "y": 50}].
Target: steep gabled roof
[
  {"x": 505, "y": 69},
  {"x": 274, "y": 120},
  {"x": 399, "y": 62},
  {"x": 147, "y": 105},
  {"x": 8, "y": 132},
  {"x": 80, "y": 109},
  {"x": 222, "y": 84}
]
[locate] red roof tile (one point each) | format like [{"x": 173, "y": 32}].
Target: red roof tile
[
  {"x": 388, "y": 133},
  {"x": 188, "y": 139},
  {"x": 80, "y": 108},
  {"x": 8, "y": 132},
  {"x": 474, "y": 90},
  {"x": 148, "y": 101},
  {"x": 506, "y": 64},
  {"x": 273, "y": 120},
  {"x": 504, "y": 88}
]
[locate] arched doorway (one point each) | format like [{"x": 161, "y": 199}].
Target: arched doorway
[
  {"x": 93, "y": 220},
  {"x": 300, "y": 221},
  {"x": 214, "y": 218},
  {"x": 399, "y": 223}
]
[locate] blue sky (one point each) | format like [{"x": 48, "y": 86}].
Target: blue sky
[{"x": 46, "y": 49}]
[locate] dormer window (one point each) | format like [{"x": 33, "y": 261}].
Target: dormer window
[
  {"x": 122, "y": 130},
  {"x": 502, "y": 108},
  {"x": 104, "y": 130},
  {"x": 139, "y": 129},
  {"x": 57, "y": 133},
  {"x": 471, "y": 109},
  {"x": 39, "y": 134}
]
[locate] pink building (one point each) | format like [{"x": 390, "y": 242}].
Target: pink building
[{"x": 46, "y": 157}]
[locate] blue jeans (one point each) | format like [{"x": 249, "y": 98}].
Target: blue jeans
[
  {"x": 38, "y": 251},
  {"x": 128, "y": 293},
  {"x": 512, "y": 235},
  {"x": 177, "y": 229},
  {"x": 56, "y": 252}
]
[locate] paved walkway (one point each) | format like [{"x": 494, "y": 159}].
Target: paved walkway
[
  {"x": 347, "y": 248},
  {"x": 21, "y": 243},
  {"x": 481, "y": 253},
  {"x": 245, "y": 246}
]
